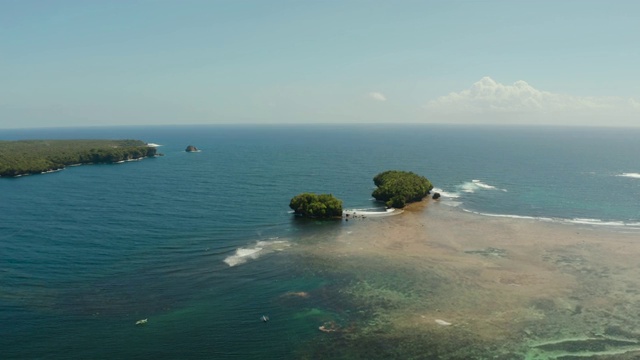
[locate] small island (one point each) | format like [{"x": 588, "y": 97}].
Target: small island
[
  {"x": 398, "y": 188},
  {"x": 191, "y": 148},
  {"x": 323, "y": 206},
  {"x": 395, "y": 188},
  {"x": 25, "y": 157}
]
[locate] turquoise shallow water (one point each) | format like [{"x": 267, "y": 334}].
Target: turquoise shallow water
[{"x": 88, "y": 251}]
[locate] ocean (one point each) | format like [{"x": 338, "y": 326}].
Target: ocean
[{"x": 203, "y": 244}]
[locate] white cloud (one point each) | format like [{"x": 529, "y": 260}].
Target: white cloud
[
  {"x": 377, "y": 96},
  {"x": 492, "y": 98}
]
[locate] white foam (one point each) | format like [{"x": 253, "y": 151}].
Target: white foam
[
  {"x": 483, "y": 185},
  {"x": 522, "y": 217},
  {"x": 153, "y": 145},
  {"x": 447, "y": 198},
  {"x": 468, "y": 187},
  {"x": 471, "y": 187},
  {"x": 608, "y": 223},
  {"x": 595, "y": 222},
  {"x": 579, "y": 221},
  {"x": 446, "y": 194},
  {"x": 630, "y": 175},
  {"x": 274, "y": 245},
  {"x": 262, "y": 247},
  {"x": 442, "y": 322},
  {"x": 372, "y": 212}
]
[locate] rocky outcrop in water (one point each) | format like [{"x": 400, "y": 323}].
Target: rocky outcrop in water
[{"x": 191, "y": 148}]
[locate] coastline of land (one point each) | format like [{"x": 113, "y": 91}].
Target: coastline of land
[
  {"x": 438, "y": 281},
  {"x": 27, "y": 157}
]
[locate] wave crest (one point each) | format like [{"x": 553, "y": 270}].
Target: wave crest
[
  {"x": 372, "y": 212},
  {"x": 471, "y": 187},
  {"x": 630, "y": 175},
  {"x": 576, "y": 221},
  {"x": 445, "y": 194},
  {"x": 466, "y": 187}
]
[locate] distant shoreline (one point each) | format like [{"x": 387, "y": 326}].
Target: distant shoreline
[{"x": 30, "y": 157}]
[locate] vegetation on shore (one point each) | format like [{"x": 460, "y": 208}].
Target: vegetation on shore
[
  {"x": 323, "y": 206},
  {"x": 26, "y": 157},
  {"x": 398, "y": 188}
]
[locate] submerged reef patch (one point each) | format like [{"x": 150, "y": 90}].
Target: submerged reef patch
[{"x": 451, "y": 285}]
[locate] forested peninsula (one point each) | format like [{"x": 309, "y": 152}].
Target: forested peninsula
[{"x": 25, "y": 157}]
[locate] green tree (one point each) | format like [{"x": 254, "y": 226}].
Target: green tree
[
  {"x": 36, "y": 156},
  {"x": 316, "y": 206},
  {"x": 398, "y": 188}
]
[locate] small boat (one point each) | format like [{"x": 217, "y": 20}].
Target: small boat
[
  {"x": 264, "y": 318},
  {"x": 142, "y": 322}
]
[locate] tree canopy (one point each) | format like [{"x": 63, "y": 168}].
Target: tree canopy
[
  {"x": 316, "y": 206},
  {"x": 398, "y": 188},
  {"x": 36, "y": 156}
]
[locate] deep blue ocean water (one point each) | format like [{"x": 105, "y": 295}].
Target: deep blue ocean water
[{"x": 87, "y": 251}]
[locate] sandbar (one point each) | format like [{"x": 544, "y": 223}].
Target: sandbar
[{"x": 506, "y": 288}]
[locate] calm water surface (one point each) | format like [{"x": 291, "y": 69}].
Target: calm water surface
[{"x": 200, "y": 243}]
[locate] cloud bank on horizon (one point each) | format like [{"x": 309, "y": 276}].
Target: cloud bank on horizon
[
  {"x": 488, "y": 101},
  {"x": 94, "y": 63}
]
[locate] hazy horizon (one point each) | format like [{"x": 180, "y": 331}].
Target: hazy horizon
[{"x": 74, "y": 63}]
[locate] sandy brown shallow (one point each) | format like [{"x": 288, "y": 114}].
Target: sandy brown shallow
[{"x": 516, "y": 288}]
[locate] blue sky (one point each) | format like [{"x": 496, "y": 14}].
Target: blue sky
[{"x": 84, "y": 63}]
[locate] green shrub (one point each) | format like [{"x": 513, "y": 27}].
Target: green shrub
[
  {"x": 398, "y": 188},
  {"x": 316, "y": 206}
]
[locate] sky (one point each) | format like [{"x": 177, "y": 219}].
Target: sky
[{"x": 117, "y": 62}]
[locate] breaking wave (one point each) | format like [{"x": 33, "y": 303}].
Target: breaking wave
[
  {"x": 521, "y": 217},
  {"x": 372, "y": 212},
  {"x": 474, "y": 185},
  {"x": 465, "y": 188},
  {"x": 584, "y": 221},
  {"x": 446, "y": 194},
  {"x": 260, "y": 248},
  {"x": 577, "y": 221},
  {"x": 447, "y": 197},
  {"x": 51, "y": 171},
  {"x": 630, "y": 175}
]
